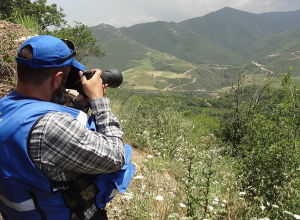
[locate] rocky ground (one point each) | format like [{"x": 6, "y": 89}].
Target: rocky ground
[{"x": 11, "y": 38}]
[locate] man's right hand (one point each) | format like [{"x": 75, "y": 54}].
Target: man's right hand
[{"x": 93, "y": 87}]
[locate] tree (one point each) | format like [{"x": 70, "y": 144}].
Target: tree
[
  {"x": 6, "y": 9},
  {"x": 267, "y": 152},
  {"x": 46, "y": 15}
]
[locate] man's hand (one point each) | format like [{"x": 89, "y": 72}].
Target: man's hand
[{"x": 93, "y": 87}]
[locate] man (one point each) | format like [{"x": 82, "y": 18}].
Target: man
[{"x": 56, "y": 163}]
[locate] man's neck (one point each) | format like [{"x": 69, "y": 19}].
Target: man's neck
[{"x": 39, "y": 92}]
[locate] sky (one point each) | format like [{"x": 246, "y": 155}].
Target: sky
[{"x": 125, "y": 13}]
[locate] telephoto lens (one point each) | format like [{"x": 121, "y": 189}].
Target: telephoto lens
[{"x": 113, "y": 78}]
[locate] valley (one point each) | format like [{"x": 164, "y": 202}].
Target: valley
[{"x": 201, "y": 54}]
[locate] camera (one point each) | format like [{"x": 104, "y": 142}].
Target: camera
[{"x": 113, "y": 78}]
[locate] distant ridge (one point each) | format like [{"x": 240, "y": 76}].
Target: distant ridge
[{"x": 225, "y": 37}]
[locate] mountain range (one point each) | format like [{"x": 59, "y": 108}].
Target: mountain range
[{"x": 200, "y": 49}]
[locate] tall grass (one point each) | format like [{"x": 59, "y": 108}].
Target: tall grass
[{"x": 28, "y": 22}]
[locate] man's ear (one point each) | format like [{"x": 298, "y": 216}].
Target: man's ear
[{"x": 57, "y": 79}]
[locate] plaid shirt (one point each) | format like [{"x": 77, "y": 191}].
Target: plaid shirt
[{"x": 62, "y": 148}]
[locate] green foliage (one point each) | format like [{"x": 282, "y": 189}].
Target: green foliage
[
  {"x": 45, "y": 15},
  {"x": 183, "y": 147},
  {"x": 263, "y": 137},
  {"x": 150, "y": 121},
  {"x": 39, "y": 17},
  {"x": 6, "y": 9},
  {"x": 28, "y": 22}
]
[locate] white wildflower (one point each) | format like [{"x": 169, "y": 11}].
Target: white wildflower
[
  {"x": 242, "y": 193},
  {"x": 287, "y": 212},
  {"x": 214, "y": 202},
  {"x": 128, "y": 196},
  {"x": 149, "y": 156},
  {"x": 159, "y": 198},
  {"x": 182, "y": 205},
  {"x": 296, "y": 216},
  {"x": 216, "y": 199},
  {"x": 146, "y": 132},
  {"x": 275, "y": 206},
  {"x": 262, "y": 207},
  {"x": 210, "y": 208},
  {"x": 138, "y": 177},
  {"x": 224, "y": 200}
]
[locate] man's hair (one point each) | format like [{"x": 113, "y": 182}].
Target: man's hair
[{"x": 35, "y": 76}]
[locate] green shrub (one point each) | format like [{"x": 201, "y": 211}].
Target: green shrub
[{"x": 264, "y": 140}]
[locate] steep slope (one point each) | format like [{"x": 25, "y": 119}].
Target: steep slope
[
  {"x": 282, "y": 21},
  {"x": 237, "y": 30},
  {"x": 120, "y": 50},
  {"x": 274, "y": 44},
  {"x": 175, "y": 39},
  {"x": 278, "y": 51}
]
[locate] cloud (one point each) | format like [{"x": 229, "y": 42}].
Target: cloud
[
  {"x": 126, "y": 21},
  {"x": 121, "y": 13}
]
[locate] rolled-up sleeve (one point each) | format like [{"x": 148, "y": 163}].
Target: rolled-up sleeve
[{"x": 58, "y": 141}]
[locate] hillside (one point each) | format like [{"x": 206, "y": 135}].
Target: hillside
[
  {"x": 196, "y": 52},
  {"x": 11, "y": 38},
  {"x": 149, "y": 69},
  {"x": 237, "y": 30},
  {"x": 179, "y": 41}
]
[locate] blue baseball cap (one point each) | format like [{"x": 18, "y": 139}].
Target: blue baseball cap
[{"x": 49, "y": 51}]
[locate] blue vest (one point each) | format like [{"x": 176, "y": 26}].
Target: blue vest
[{"x": 25, "y": 193}]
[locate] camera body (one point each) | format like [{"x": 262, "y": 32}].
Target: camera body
[{"x": 113, "y": 78}]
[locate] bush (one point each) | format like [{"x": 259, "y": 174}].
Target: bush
[{"x": 264, "y": 140}]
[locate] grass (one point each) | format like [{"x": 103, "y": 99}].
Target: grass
[
  {"x": 29, "y": 22},
  {"x": 180, "y": 173}
]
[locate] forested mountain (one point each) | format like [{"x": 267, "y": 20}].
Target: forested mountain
[
  {"x": 237, "y": 30},
  {"x": 223, "y": 38}
]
